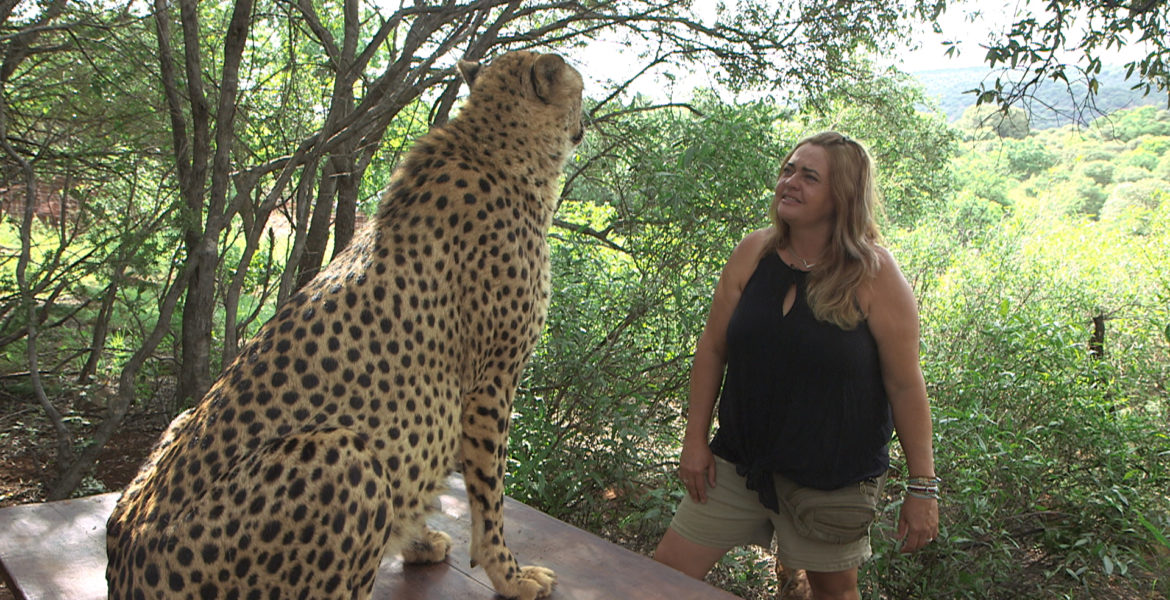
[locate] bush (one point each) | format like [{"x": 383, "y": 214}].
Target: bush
[
  {"x": 1100, "y": 171},
  {"x": 1130, "y": 174},
  {"x": 1162, "y": 170},
  {"x": 1070, "y": 194},
  {"x": 1029, "y": 157},
  {"x": 1141, "y": 158},
  {"x": 1053, "y": 460},
  {"x": 1143, "y": 195},
  {"x": 985, "y": 122},
  {"x": 1126, "y": 125}
]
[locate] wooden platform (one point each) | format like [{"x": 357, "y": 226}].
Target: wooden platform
[{"x": 57, "y": 550}]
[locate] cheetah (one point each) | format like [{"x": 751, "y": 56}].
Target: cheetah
[{"x": 325, "y": 443}]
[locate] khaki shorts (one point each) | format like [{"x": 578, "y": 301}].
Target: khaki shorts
[{"x": 815, "y": 530}]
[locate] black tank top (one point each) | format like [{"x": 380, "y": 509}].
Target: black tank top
[{"x": 800, "y": 397}]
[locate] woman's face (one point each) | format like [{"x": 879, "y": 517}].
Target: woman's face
[{"x": 802, "y": 195}]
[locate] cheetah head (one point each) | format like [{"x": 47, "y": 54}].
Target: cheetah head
[{"x": 545, "y": 82}]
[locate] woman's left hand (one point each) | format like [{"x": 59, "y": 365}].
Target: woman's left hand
[{"x": 917, "y": 523}]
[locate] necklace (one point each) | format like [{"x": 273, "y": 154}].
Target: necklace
[{"x": 807, "y": 265}]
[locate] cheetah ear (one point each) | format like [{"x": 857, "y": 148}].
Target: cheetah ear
[
  {"x": 546, "y": 72},
  {"x": 469, "y": 69}
]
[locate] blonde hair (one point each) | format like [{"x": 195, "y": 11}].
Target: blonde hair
[{"x": 851, "y": 257}]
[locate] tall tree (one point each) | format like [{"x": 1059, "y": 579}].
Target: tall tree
[
  {"x": 274, "y": 109},
  {"x": 76, "y": 140},
  {"x": 279, "y": 109},
  {"x": 376, "y": 64},
  {"x": 195, "y": 158}
]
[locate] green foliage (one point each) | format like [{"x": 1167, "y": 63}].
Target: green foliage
[
  {"x": 982, "y": 122},
  {"x": 1067, "y": 42},
  {"x": 1130, "y": 174},
  {"x": 1141, "y": 196},
  {"x": 1091, "y": 198},
  {"x": 1068, "y": 192},
  {"x": 1051, "y": 105},
  {"x": 1162, "y": 170},
  {"x": 642, "y": 236},
  {"x": 1140, "y": 158},
  {"x": 911, "y": 148},
  {"x": 1053, "y": 460},
  {"x": 811, "y": 45},
  {"x": 984, "y": 173},
  {"x": 1158, "y": 145},
  {"x": 1131, "y": 124},
  {"x": 1100, "y": 171},
  {"x": 747, "y": 572},
  {"x": 1028, "y": 157}
]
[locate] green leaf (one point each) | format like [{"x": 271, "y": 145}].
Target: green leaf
[{"x": 1154, "y": 531}]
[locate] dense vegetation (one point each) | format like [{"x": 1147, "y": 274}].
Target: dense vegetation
[
  {"x": 1053, "y": 442},
  {"x": 1046, "y": 324},
  {"x": 1038, "y": 256}
]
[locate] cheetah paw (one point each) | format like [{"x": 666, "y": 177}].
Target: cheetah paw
[
  {"x": 431, "y": 547},
  {"x": 534, "y": 583}
]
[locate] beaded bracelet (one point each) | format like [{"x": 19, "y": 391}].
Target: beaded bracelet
[{"x": 926, "y": 488}]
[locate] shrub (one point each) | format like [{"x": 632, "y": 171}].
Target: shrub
[
  {"x": 1142, "y": 195},
  {"x": 1053, "y": 460},
  {"x": 1029, "y": 157},
  {"x": 1100, "y": 171}
]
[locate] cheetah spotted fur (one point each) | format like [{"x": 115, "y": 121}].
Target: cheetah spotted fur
[{"x": 325, "y": 444}]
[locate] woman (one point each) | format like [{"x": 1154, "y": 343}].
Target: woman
[{"x": 812, "y": 337}]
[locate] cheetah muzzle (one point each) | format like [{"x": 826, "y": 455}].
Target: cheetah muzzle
[{"x": 325, "y": 443}]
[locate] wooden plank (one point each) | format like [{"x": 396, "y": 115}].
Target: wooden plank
[
  {"x": 57, "y": 550},
  {"x": 587, "y": 566}
]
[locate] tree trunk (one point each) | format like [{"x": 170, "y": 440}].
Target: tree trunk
[
  {"x": 340, "y": 162},
  {"x": 203, "y": 236},
  {"x": 193, "y": 153},
  {"x": 101, "y": 328},
  {"x": 198, "y": 308},
  {"x": 346, "y": 217},
  {"x": 318, "y": 234},
  {"x": 1097, "y": 339}
]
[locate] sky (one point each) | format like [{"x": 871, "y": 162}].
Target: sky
[
  {"x": 611, "y": 60},
  {"x": 930, "y": 53}
]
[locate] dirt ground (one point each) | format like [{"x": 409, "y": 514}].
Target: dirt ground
[{"x": 27, "y": 454}]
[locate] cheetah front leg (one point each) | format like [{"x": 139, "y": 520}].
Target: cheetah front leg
[{"x": 485, "y": 435}]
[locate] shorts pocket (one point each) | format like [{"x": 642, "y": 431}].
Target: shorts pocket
[{"x": 839, "y": 516}]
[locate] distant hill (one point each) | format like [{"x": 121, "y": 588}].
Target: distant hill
[{"x": 947, "y": 87}]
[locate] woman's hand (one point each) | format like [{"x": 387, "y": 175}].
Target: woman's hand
[
  {"x": 917, "y": 523},
  {"x": 696, "y": 468}
]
